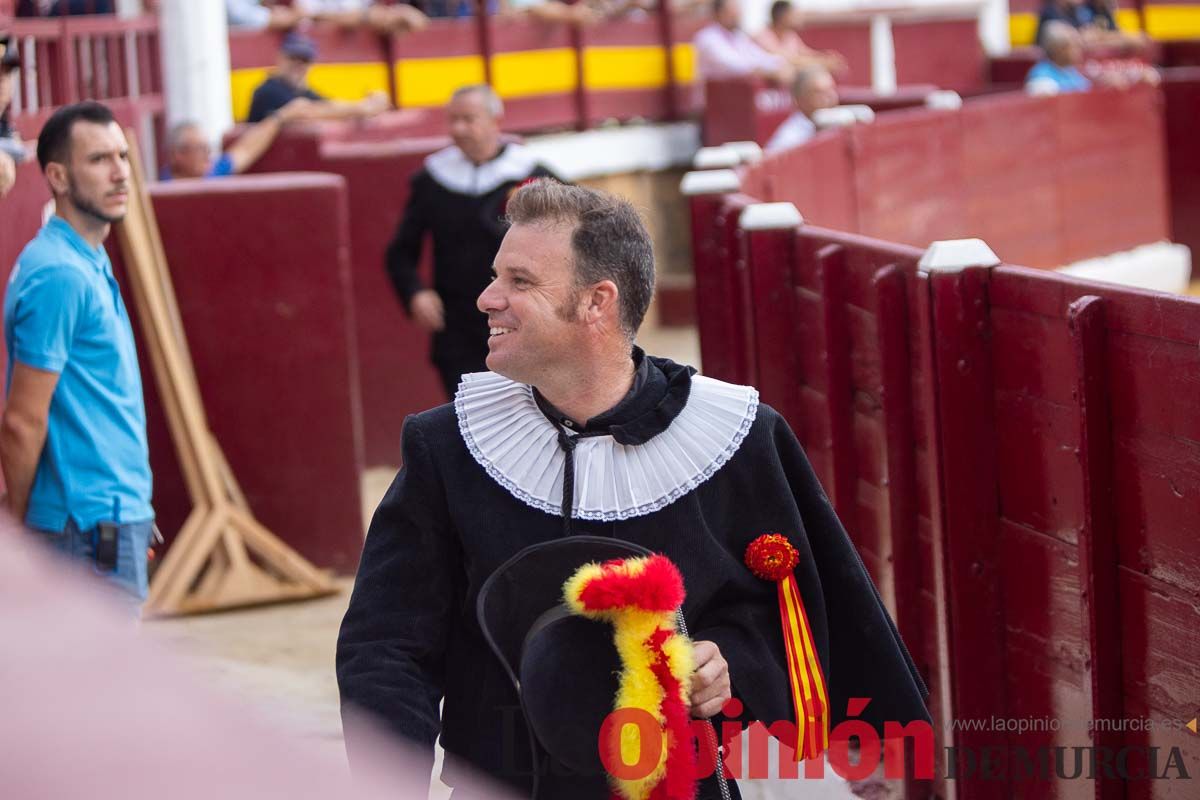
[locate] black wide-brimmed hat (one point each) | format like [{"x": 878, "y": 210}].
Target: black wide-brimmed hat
[{"x": 565, "y": 667}]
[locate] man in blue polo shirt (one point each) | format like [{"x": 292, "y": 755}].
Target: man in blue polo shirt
[{"x": 73, "y": 432}]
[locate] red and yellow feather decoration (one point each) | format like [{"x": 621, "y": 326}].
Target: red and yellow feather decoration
[
  {"x": 773, "y": 558},
  {"x": 640, "y": 598}
]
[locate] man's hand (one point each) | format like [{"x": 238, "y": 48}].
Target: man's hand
[
  {"x": 8, "y": 173},
  {"x": 710, "y": 681},
  {"x": 427, "y": 310}
]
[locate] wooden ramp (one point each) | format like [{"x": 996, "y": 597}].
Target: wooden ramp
[{"x": 222, "y": 557}]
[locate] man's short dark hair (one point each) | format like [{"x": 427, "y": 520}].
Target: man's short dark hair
[
  {"x": 778, "y": 9},
  {"x": 54, "y": 142},
  {"x": 610, "y": 241}
]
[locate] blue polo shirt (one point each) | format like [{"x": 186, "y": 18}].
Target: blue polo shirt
[
  {"x": 63, "y": 313},
  {"x": 1068, "y": 79}
]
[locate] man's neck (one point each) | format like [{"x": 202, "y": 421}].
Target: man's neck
[
  {"x": 582, "y": 397},
  {"x": 90, "y": 229}
]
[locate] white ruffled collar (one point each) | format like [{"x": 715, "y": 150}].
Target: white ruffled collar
[
  {"x": 510, "y": 437},
  {"x": 453, "y": 170}
]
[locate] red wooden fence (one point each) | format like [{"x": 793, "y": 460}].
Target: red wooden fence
[
  {"x": 68, "y": 59},
  {"x": 1046, "y": 181},
  {"x": 1015, "y": 454}
]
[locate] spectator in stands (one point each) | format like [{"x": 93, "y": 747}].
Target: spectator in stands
[
  {"x": 189, "y": 154},
  {"x": 812, "y": 90},
  {"x": 12, "y": 150},
  {"x": 386, "y": 19},
  {"x": 252, "y": 15},
  {"x": 63, "y": 8},
  {"x": 724, "y": 50},
  {"x": 1058, "y": 72},
  {"x": 552, "y": 11},
  {"x": 289, "y": 81},
  {"x": 458, "y": 198},
  {"x": 73, "y": 432},
  {"x": 1094, "y": 19},
  {"x": 782, "y": 38}
]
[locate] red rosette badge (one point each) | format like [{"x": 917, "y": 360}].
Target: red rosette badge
[{"x": 772, "y": 557}]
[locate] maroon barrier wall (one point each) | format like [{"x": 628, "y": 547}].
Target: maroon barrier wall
[
  {"x": 1012, "y": 452},
  {"x": 749, "y": 110},
  {"x": 262, "y": 274},
  {"x": 396, "y": 378},
  {"x": 1045, "y": 181},
  {"x": 1181, "y": 89}
]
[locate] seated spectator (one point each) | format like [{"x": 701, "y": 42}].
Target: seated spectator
[
  {"x": 289, "y": 81},
  {"x": 1059, "y": 71},
  {"x": 552, "y": 11},
  {"x": 63, "y": 8},
  {"x": 812, "y": 90},
  {"x": 386, "y": 19},
  {"x": 12, "y": 151},
  {"x": 252, "y": 15},
  {"x": 189, "y": 154},
  {"x": 724, "y": 50},
  {"x": 1094, "y": 19},
  {"x": 782, "y": 38}
]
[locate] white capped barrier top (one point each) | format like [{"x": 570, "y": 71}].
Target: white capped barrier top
[
  {"x": 955, "y": 255},
  {"x": 749, "y": 152},
  {"x": 943, "y": 100},
  {"x": 770, "y": 217},
  {"x": 842, "y": 116},
  {"x": 712, "y": 181},
  {"x": 722, "y": 157}
]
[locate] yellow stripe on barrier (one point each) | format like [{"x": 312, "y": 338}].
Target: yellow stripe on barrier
[
  {"x": 1173, "y": 22},
  {"x": 534, "y": 72},
  {"x": 335, "y": 81},
  {"x": 1164, "y": 23},
  {"x": 242, "y": 83},
  {"x": 624, "y": 68},
  {"x": 684, "y": 57},
  {"x": 424, "y": 82}
]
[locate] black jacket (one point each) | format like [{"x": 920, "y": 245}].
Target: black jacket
[
  {"x": 461, "y": 207},
  {"x": 410, "y": 635}
]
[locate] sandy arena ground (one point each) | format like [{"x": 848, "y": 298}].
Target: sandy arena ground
[{"x": 279, "y": 660}]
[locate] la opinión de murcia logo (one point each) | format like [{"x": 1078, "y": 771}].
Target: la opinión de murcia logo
[{"x": 858, "y": 761}]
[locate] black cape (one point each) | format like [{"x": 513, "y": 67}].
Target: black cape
[{"x": 410, "y": 636}]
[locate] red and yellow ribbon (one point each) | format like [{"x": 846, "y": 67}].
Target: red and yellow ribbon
[{"x": 773, "y": 558}]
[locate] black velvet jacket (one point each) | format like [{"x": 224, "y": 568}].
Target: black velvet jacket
[{"x": 410, "y": 637}]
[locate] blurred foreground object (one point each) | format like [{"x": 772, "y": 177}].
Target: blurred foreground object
[{"x": 134, "y": 724}]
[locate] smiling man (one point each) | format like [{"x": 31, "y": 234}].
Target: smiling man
[
  {"x": 73, "y": 433},
  {"x": 577, "y": 431}
]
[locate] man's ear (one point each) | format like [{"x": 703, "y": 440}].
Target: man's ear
[
  {"x": 602, "y": 301},
  {"x": 56, "y": 176}
]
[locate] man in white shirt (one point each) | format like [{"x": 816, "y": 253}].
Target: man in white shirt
[
  {"x": 812, "y": 89},
  {"x": 724, "y": 50}
]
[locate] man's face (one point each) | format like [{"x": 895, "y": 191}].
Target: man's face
[
  {"x": 793, "y": 19},
  {"x": 820, "y": 92},
  {"x": 472, "y": 127},
  {"x": 730, "y": 14},
  {"x": 293, "y": 70},
  {"x": 1068, "y": 52},
  {"x": 532, "y": 304},
  {"x": 95, "y": 178},
  {"x": 191, "y": 156}
]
